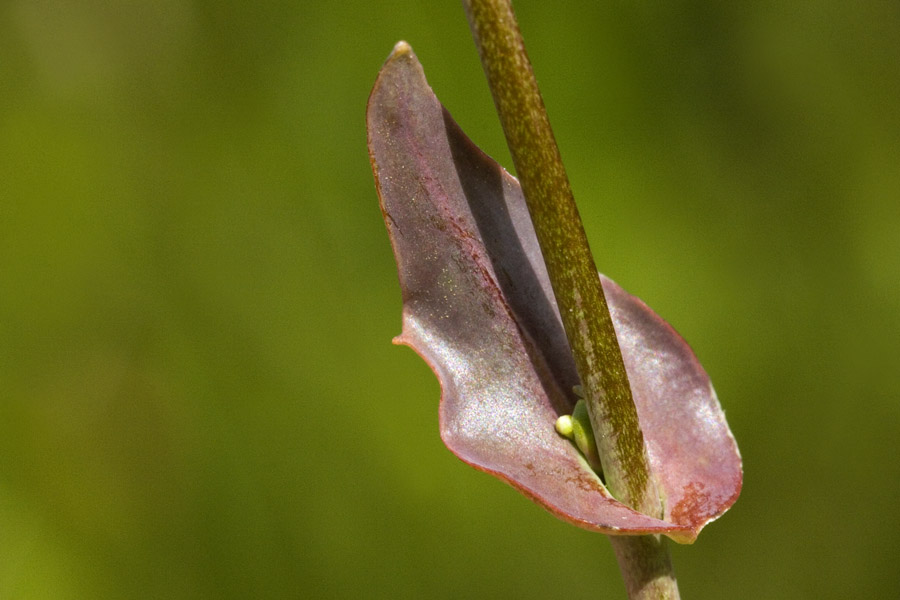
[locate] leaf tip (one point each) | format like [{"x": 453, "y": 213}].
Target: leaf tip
[{"x": 401, "y": 48}]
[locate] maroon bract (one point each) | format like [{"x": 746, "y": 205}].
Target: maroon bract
[{"x": 478, "y": 307}]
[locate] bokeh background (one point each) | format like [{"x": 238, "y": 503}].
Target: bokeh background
[{"x": 198, "y": 394}]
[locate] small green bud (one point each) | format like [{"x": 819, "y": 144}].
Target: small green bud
[
  {"x": 564, "y": 427},
  {"x": 584, "y": 434},
  {"x": 577, "y": 428}
]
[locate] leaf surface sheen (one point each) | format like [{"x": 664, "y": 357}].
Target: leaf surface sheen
[{"x": 478, "y": 308}]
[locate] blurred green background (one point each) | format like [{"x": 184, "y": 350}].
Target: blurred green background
[{"x": 198, "y": 394}]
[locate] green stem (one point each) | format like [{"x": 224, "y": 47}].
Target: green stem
[
  {"x": 644, "y": 560},
  {"x": 570, "y": 264},
  {"x": 646, "y": 567}
]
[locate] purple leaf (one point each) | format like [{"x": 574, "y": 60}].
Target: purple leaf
[{"x": 478, "y": 307}]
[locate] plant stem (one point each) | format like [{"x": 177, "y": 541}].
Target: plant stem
[
  {"x": 646, "y": 567},
  {"x": 577, "y": 288},
  {"x": 583, "y": 307}
]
